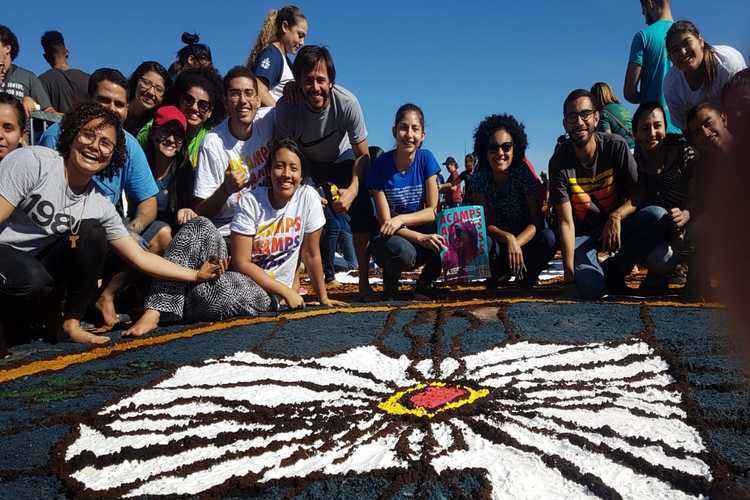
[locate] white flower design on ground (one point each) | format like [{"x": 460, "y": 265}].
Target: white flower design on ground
[{"x": 540, "y": 421}]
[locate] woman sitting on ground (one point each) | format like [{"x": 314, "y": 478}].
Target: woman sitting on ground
[
  {"x": 197, "y": 94},
  {"x": 699, "y": 73},
  {"x": 147, "y": 87},
  {"x": 614, "y": 118},
  {"x": 403, "y": 183},
  {"x": 54, "y": 226},
  {"x": 283, "y": 32},
  {"x": 12, "y": 123},
  {"x": 509, "y": 191},
  {"x": 272, "y": 226}
]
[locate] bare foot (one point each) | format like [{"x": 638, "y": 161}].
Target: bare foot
[
  {"x": 106, "y": 306},
  {"x": 72, "y": 327},
  {"x": 147, "y": 323},
  {"x": 333, "y": 284}
]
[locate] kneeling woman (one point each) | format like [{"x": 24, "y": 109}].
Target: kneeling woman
[
  {"x": 54, "y": 227},
  {"x": 403, "y": 183},
  {"x": 272, "y": 226},
  {"x": 509, "y": 192}
]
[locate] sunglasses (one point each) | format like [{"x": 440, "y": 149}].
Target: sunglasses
[
  {"x": 189, "y": 101},
  {"x": 494, "y": 147}
]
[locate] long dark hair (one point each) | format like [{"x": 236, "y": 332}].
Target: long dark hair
[
  {"x": 73, "y": 122},
  {"x": 144, "y": 68},
  {"x": 710, "y": 62}
]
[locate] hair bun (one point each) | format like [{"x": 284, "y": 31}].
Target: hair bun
[{"x": 190, "y": 38}]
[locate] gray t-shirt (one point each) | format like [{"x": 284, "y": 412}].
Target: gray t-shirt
[
  {"x": 66, "y": 88},
  {"x": 325, "y": 136},
  {"x": 21, "y": 82},
  {"x": 32, "y": 179}
]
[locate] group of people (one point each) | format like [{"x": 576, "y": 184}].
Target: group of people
[{"x": 233, "y": 183}]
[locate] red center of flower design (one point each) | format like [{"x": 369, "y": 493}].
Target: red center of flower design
[{"x": 434, "y": 397}]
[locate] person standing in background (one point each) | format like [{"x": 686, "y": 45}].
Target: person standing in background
[{"x": 67, "y": 87}]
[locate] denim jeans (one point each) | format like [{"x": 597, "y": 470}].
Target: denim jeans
[
  {"x": 396, "y": 254},
  {"x": 337, "y": 233},
  {"x": 641, "y": 233},
  {"x": 537, "y": 254}
]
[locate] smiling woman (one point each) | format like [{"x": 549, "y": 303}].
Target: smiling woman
[
  {"x": 700, "y": 70},
  {"x": 147, "y": 86},
  {"x": 59, "y": 228}
]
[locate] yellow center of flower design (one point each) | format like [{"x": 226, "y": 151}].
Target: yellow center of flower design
[{"x": 428, "y": 400}]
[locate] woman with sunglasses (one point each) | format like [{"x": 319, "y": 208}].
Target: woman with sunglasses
[
  {"x": 272, "y": 228},
  {"x": 699, "y": 73},
  {"x": 403, "y": 183},
  {"x": 147, "y": 86},
  {"x": 55, "y": 228},
  {"x": 197, "y": 94},
  {"x": 509, "y": 192}
]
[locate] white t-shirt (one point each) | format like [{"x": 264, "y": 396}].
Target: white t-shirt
[
  {"x": 220, "y": 149},
  {"x": 32, "y": 179},
  {"x": 681, "y": 98},
  {"x": 278, "y": 233}
]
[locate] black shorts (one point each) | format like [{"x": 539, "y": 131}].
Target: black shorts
[{"x": 362, "y": 211}]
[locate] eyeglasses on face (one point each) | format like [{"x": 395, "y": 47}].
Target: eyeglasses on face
[
  {"x": 148, "y": 84},
  {"x": 494, "y": 147},
  {"x": 203, "y": 105},
  {"x": 87, "y": 136},
  {"x": 584, "y": 115}
]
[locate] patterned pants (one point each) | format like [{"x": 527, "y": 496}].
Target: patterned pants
[{"x": 233, "y": 294}]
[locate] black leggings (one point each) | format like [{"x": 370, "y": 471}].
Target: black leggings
[{"x": 58, "y": 272}]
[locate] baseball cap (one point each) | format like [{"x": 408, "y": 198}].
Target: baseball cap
[{"x": 166, "y": 114}]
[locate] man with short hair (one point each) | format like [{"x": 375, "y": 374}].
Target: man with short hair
[
  {"x": 17, "y": 81},
  {"x": 470, "y": 162},
  {"x": 232, "y": 157},
  {"x": 593, "y": 185},
  {"x": 649, "y": 63},
  {"x": 65, "y": 86},
  {"x": 327, "y": 123}
]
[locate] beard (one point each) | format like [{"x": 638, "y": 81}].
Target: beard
[{"x": 591, "y": 129}]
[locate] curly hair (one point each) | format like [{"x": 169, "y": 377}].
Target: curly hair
[
  {"x": 12, "y": 101},
  {"x": 74, "y": 121},
  {"x": 492, "y": 124},
  {"x": 7, "y": 37},
  {"x": 206, "y": 79}
]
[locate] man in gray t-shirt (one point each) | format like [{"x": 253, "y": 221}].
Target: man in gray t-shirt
[
  {"x": 327, "y": 123},
  {"x": 17, "y": 81}
]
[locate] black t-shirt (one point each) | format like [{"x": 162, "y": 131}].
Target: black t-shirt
[
  {"x": 593, "y": 190},
  {"x": 66, "y": 88}
]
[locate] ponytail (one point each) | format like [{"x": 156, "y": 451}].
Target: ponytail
[{"x": 265, "y": 36}]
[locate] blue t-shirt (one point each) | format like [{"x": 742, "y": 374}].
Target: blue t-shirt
[
  {"x": 405, "y": 191},
  {"x": 134, "y": 177},
  {"x": 649, "y": 51},
  {"x": 269, "y": 66}
]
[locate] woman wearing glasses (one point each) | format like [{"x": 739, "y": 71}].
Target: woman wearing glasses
[
  {"x": 509, "y": 192},
  {"x": 147, "y": 86},
  {"x": 197, "y": 94},
  {"x": 55, "y": 229}
]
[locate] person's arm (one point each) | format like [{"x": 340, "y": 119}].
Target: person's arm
[
  {"x": 268, "y": 69},
  {"x": 6, "y": 208},
  {"x": 567, "y": 237},
  {"x": 39, "y": 94},
  {"x": 359, "y": 170},
  {"x": 161, "y": 268},
  {"x": 145, "y": 214},
  {"x": 675, "y": 102},
  {"x": 266, "y": 99},
  {"x": 314, "y": 265},
  {"x": 242, "y": 248},
  {"x": 207, "y": 178},
  {"x": 428, "y": 213},
  {"x": 632, "y": 79}
]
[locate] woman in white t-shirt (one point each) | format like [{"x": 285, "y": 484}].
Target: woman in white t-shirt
[
  {"x": 272, "y": 227},
  {"x": 699, "y": 73},
  {"x": 283, "y": 32},
  {"x": 55, "y": 228}
]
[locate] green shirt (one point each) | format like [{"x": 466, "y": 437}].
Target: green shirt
[{"x": 616, "y": 119}]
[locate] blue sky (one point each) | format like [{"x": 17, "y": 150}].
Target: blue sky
[{"x": 459, "y": 61}]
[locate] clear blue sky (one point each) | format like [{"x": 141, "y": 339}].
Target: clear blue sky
[{"x": 459, "y": 61}]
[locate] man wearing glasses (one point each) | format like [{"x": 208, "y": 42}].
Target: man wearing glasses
[
  {"x": 233, "y": 155},
  {"x": 593, "y": 185}
]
